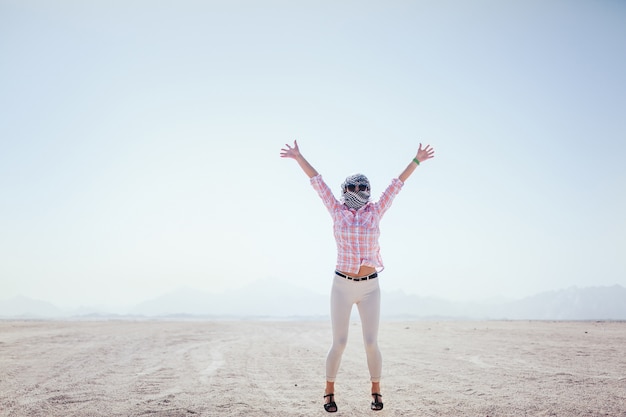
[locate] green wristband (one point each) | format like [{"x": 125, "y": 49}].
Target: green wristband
[{"x": 416, "y": 161}]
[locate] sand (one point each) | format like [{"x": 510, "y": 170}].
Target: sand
[{"x": 262, "y": 368}]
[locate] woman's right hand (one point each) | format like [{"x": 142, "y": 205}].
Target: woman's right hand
[
  {"x": 290, "y": 152},
  {"x": 293, "y": 152}
]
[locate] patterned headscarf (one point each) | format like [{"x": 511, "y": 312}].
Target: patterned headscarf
[{"x": 355, "y": 199}]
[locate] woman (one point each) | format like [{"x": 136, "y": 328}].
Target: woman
[{"x": 355, "y": 223}]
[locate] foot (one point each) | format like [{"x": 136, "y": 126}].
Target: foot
[
  {"x": 377, "y": 404},
  {"x": 330, "y": 405}
]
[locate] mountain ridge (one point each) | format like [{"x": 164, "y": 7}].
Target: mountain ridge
[{"x": 272, "y": 299}]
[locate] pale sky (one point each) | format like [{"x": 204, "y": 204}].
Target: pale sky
[{"x": 140, "y": 141}]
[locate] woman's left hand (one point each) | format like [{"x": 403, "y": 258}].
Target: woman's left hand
[{"x": 424, "y": 154}]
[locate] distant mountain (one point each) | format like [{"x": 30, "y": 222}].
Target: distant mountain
[
  {"x": 261, "y": 298},
  {"x": 24, "y": 307},
  {"x": 602, "y": 303},
  {"x": 279, "y": 299},
  {"x": 571, "y": 304}
]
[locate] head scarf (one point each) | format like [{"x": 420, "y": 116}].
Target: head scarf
[{"x": 355, "y": 199}]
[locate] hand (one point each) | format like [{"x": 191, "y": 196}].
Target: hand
[
  {"x": 294, "y": 153},
  {"x": 424, "y": 154},
  {"x": 290, "y": 152}
]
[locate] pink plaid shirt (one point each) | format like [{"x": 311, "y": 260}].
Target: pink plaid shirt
[{"x": 357, "y": 231}]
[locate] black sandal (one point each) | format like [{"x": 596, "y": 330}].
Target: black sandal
[
  {"x": 376, "y": 404},
  {"x": 330, "y": 406}
]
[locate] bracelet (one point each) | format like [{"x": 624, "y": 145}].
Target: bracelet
[{"x": 416, "y": 161}]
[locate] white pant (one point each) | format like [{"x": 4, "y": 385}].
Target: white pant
[{"x": 366, "y": 295}]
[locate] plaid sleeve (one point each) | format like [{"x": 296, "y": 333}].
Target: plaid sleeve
[
  {"x": 325, "y": 193},
  {"x": 388, "y": 195}
]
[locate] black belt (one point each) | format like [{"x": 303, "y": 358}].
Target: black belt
[{"x": 374, "y": 275}]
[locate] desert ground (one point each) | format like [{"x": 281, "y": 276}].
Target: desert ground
[{"x": 276, "y": 368}]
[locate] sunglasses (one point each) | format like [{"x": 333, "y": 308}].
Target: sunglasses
[{"x": 361, "y": 187}]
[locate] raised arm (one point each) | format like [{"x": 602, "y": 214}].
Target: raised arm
[
  {"x": 294, "y": 153},
  {"x": 422, "y": 155}
]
